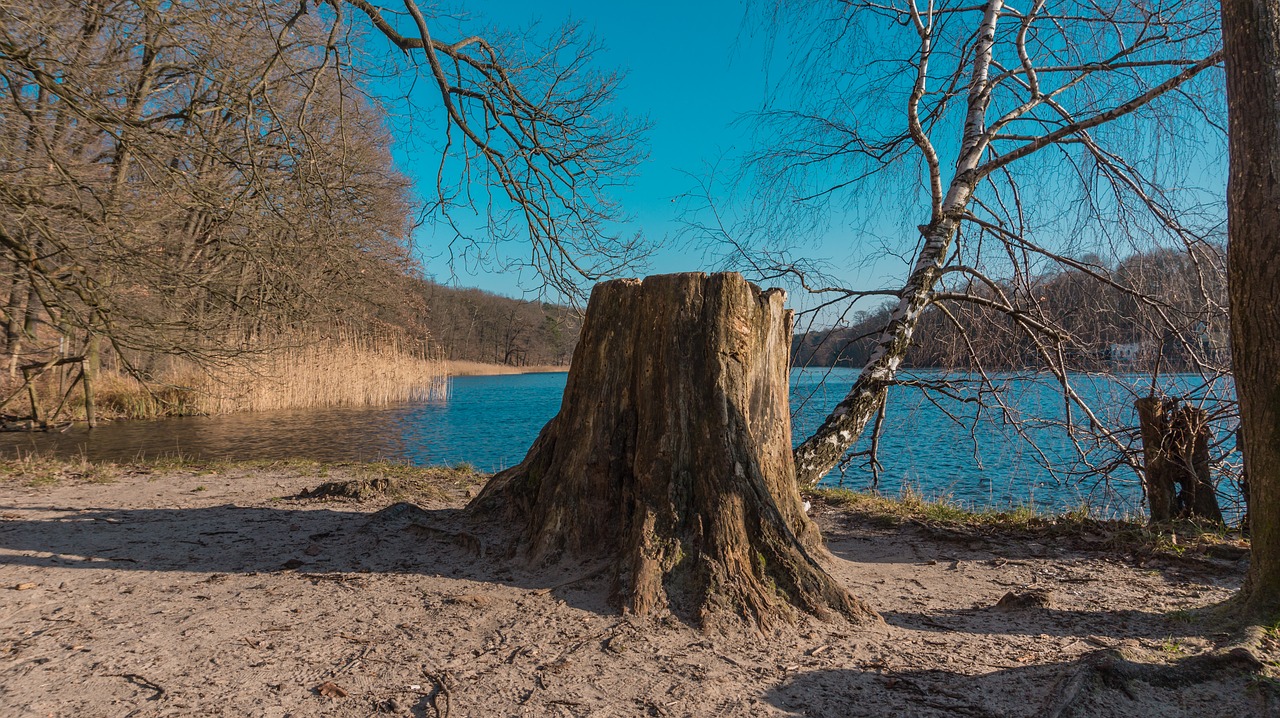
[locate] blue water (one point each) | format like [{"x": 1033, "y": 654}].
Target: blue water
[
  {"x": 490, "y": 422},
  {"x": 948, "y": 445}
]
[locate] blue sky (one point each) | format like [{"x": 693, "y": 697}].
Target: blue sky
[
  {"x": 692, "y": 68},
  {"x": 696, "y": 70}
]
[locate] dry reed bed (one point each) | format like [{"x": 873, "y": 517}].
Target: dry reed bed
[
  {"x": 345, "y": 370},
  {"x": 346, "y": 373},
  {"x": 329, "y": 373}
]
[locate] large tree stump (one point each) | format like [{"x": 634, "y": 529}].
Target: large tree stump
[
  {"x": 1175, "y": 445},
  {"x": 671, "y": 457}
]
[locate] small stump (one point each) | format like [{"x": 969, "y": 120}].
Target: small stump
[{"x": 1175, "y": 444}]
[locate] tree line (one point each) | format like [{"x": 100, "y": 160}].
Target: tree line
[
  {"x": 191, "y": 179},
  {"x": 474, "y": 325},
  {"x": 1164, "y": 307}
]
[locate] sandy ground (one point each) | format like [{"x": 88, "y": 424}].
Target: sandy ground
[
  {"x": 475, "y": 368},
  {"x": 188, "y": 592}
]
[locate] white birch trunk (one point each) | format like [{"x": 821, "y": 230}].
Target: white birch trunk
[{"x": 821, "y": 452}]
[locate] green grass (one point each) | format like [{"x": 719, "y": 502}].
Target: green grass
[
  {"x": 40, "y": 470},
  {"x": 943, "y": 512}
]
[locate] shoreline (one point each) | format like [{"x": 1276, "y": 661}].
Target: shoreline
[{"x": 458, "y": 367}]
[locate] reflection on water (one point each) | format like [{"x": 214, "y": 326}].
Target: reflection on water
[
  {"x": 487, "y": 421},
  {"x": 490, "y": 422}
]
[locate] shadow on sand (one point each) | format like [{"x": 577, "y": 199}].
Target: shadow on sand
[
  {"x": 322, "y": 542},
  {"x": 1099, "y": 685}
]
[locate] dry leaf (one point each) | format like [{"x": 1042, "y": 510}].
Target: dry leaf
[
  {"x": 25, "y": 586},
  {"x": 329, "y": 689}
]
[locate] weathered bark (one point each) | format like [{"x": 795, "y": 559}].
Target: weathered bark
[
  {"x": 671, "y": 457},
  {"x": 1251, "y": 39},
  {"x": 1175, "y": 444}
]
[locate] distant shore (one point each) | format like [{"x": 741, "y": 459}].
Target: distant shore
[{"x": 475, "y": 368}]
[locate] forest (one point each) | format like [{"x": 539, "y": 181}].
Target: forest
[
  {"x": 1099, "y": 321},
  {"x": 170, "y": 177}
]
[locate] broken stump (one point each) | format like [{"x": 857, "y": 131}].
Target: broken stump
[{"x": 671, "y": 458}]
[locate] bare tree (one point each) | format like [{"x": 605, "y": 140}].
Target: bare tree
[
  {"x": 169, "y": 174},
  {"x": 1028, "y": 140},
  {"x": 171, "y": 171}
]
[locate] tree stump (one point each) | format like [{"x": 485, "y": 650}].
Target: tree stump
[
  {"x": 1175, "y": 446},
  {"x": 671, "y": 458}
]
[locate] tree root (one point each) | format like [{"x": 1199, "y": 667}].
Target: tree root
[{"x": 1109, "y": 670}]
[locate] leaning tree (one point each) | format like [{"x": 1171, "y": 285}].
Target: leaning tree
[{"x": 1011, "y": 147}]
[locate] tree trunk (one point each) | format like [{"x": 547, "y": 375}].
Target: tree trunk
[
  {"x": 1175, "y": 444},
  {"x": 20, "y": 323},
  {"x": 89, "y": 375},
  {"x": 1251, "y": 39},
  {"x": 671, "y": 458},
  {"x": 819, "y": 453},
  {"x": 840, "y": 430}
]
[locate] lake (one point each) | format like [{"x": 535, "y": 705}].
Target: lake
[{"x": 490, "y": 422}]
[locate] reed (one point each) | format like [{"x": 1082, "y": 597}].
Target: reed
[
  {"x": 343, "y": 371},
  {"x": 340, "y": 369}
]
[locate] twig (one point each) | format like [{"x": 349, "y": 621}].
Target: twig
[
  {"x": 440, "y": 689},
  {"x": 143, "y": 682}
]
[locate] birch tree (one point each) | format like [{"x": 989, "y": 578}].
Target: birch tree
[{"x": 996, "y": 107}]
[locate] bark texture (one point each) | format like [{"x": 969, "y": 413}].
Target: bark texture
[
  {"x": 1251, "y": 39},
  {"x": 818, "y": 454},
  {"x": 671, "y": 457},
  {"x": 1175, "y": 444}
]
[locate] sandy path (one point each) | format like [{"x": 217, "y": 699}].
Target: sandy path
[{"x": 185, "y": 593}]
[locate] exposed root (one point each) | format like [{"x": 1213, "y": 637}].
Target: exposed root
[
  {"x": 1108, "y": 670},
  {"x": 358, "y": 489}
]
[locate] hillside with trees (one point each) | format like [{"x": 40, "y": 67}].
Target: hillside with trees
[
  {"x": 479, "y": 326},
  {"x": 1166, "y": 307}
]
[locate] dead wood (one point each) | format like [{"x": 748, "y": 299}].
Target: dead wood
[
  {"x": 1175, "y": 442},
  {"x": 671, "y": 458}
]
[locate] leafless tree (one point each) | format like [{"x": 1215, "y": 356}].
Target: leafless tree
[
  {"x": 194, "y": 178},
  {"x": 171, "y": 172},
  {"x": 1044, "y": 146},
  {"x": 531, "y": 141}
]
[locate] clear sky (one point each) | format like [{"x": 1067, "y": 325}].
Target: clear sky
[
  {"x": 696, "y": 69},
  {"x": 692, "y": 68}
]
